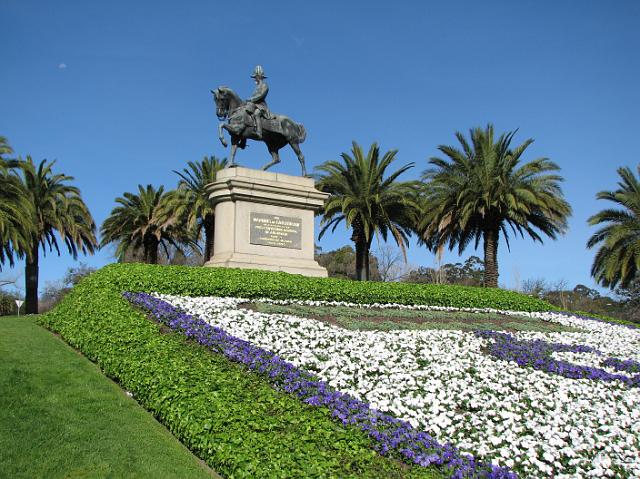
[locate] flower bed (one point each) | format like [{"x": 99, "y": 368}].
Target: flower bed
[
  {"x": 470, "y": 388},
  {"x": 391, "y": 435}
]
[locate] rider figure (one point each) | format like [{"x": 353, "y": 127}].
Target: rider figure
[{"x": 256, "y": 104}]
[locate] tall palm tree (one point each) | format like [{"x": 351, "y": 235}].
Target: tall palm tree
[
  {"x": 478, "y": 191},
  {"x": 368, "y": 200},
  {"x": 618, "y": 259},
  {"x": 145, "y": 221},
  {"x": 200, "y": 213},
  {"x": 57, "y": 208},
  {"x": 14, "y": 208}
]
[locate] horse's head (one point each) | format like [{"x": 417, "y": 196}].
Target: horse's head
[{"x": 221, "y": 98}]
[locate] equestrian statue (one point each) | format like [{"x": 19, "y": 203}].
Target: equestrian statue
[{"x": 252, "y": 120}]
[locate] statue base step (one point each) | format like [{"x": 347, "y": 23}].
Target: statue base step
[{"x": 249, "y": 261}]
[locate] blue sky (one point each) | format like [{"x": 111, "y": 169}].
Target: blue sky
[{"x": 118, "y": 93}]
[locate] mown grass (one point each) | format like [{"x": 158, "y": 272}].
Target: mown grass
[
  {"x": 60, "y": 417},
  {"x": 370, "y": 319}
]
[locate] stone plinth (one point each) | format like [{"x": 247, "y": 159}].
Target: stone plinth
[{"x": 265, "y": 221}]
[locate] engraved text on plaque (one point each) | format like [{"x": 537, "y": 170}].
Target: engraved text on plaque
[{"x": 274, "y": 230}]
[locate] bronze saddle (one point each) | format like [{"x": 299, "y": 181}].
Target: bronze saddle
[{"x": 272, "y": 124}]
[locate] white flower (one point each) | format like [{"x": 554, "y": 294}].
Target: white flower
[{"x": 540, "y": 424}]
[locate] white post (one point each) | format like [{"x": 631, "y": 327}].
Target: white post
[{"x": 19, "y": 303}]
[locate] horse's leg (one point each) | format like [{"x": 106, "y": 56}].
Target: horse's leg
[
  {"x": 234, "y": 148},
  {"x": 296, "y": 149},
  {"x": 274, "y": 155},
  {"x": 221, "y": 135}
]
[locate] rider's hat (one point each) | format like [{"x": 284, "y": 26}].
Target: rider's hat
[{"x": 258, "y": 72}]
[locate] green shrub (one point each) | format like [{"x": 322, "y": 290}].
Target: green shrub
[
  {"x": 227, "y": 415},
  {"x": 8, "y": 304}
]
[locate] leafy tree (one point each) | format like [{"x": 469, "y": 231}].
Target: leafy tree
[
  {"x": 469, "y": 273},
  {"x": 54, "y": 291},
  {"x": 630, "y": 297},
  {"x": 481, "y": 190},
  {"x": 8, "y": 303},
  {"x": 368, "y": 200},
  {"x": 75, "y": 274},
  {"x": 144, "y": 222},
  {"x": 584, "y": 299},
  {"x": 201, "y": 214},
  {"x": 57, "y": 209},
  {"x": 617, "y": 261},
  {"x": 341, "y": 263}
]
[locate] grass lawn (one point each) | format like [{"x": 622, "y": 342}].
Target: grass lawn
[
  {"x": 368, "y": 319},
  {"x": 60, "y": 417}
]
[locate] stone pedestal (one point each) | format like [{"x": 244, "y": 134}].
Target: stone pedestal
[{"x": 265, "y": 221}]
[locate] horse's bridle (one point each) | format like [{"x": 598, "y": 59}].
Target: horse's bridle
[
  {"x": 228, "y": 114},
  {"x": 224, "y": 107}
]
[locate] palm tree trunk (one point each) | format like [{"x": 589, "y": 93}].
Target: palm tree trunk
[
  {"x": 31, "y": 281},
  {"x": 151, "y": 250},
  {"x": 360, "y": 260},
  {"x": 367, "y": 259},
  {"x": 491, "y": 237},
  {"x": 358, "y": 238},
  {"x": 367, "y": 266},
  {"x": 209, "y": 232}
]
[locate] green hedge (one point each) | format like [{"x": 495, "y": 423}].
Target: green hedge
[
  {"x": 190, "y": 281},
  {"x": 225, "y": 414}
]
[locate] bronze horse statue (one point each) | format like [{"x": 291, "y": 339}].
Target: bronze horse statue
[{"x": 277, "y": 131}]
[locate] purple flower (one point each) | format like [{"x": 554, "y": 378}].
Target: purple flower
[
  {"x": 628, "y": 365},
  {"x": 537, "y": 354}
]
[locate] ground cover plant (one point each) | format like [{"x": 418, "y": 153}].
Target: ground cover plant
[
  {"x": 283, "y": 286},
  {"x": 62, "y": 418},
  {"x": 384, "y": 319},
  {"x": 545, "y": 404}
]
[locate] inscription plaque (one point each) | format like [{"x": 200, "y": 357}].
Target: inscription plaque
[{"x": 275, "y": 230}]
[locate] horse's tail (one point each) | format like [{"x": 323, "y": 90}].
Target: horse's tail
[
  {"x": 302, "y": 133},
  {"x": 292, "y": 131}
]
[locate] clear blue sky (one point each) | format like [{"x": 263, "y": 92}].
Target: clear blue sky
[{"x": 118, "y": 92}]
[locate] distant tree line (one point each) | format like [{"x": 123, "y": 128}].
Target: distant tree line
[{"x": 340, "y": 263}]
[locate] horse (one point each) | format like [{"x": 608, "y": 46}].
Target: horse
[{"x": 277, "y": 130}]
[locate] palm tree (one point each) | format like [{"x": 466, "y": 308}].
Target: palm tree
[
  {"x": 5, "y": 149},
  {"x": 14, "y": 208},
  {"x": 146, "y": 221},
  {"x": 480, "y": 190},
  {"x": 201, "y": 214},
  {"x": 57, "y": 207},
  {"x": 618, "y": 259},
  {"x": 366, "y": 201}
]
